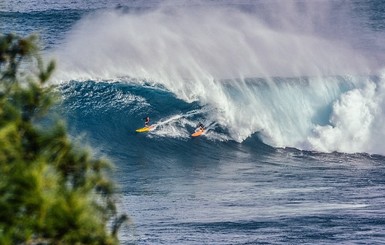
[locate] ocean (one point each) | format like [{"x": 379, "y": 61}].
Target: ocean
[{"x": 292, "y": 94}]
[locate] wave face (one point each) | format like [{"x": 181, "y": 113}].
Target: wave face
[
  {"x": 330, "y": 114},
  {"x": 295, "y": 78}
]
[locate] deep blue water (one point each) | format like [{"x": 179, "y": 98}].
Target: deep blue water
[{"x": 292, "y": 94}]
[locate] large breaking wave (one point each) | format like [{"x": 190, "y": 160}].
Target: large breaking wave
[{"x": 280, "y": 70}]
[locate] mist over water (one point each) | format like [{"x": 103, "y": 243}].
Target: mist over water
[
  {"x": 200, "y": 42},
  {"x": 290, "y": 71}
]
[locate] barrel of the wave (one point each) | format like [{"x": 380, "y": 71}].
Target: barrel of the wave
[{"x": 145, "y": 129}]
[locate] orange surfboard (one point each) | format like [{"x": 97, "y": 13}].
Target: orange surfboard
[{"x": 198, "y": 133}]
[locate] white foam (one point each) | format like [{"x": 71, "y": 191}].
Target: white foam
[{"x": 356, "y": 122}]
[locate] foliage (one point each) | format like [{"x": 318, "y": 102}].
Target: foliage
[{"x": 51, "y": 191}]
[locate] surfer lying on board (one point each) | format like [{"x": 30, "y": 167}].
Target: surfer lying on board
[{"x": 146, "y": 121}]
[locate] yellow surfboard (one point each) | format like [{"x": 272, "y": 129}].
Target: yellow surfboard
[{"x": 145, "y": 129}]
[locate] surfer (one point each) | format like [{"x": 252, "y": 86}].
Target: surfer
[
  {"x": 199, "y": 130},
  {"x": 200, "y": 126},
  {"x": 146, "y": 121},
  {"x": 147, "y": 127}
]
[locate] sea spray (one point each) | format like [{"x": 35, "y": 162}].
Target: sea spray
[{"x": 198, "y": 43}]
